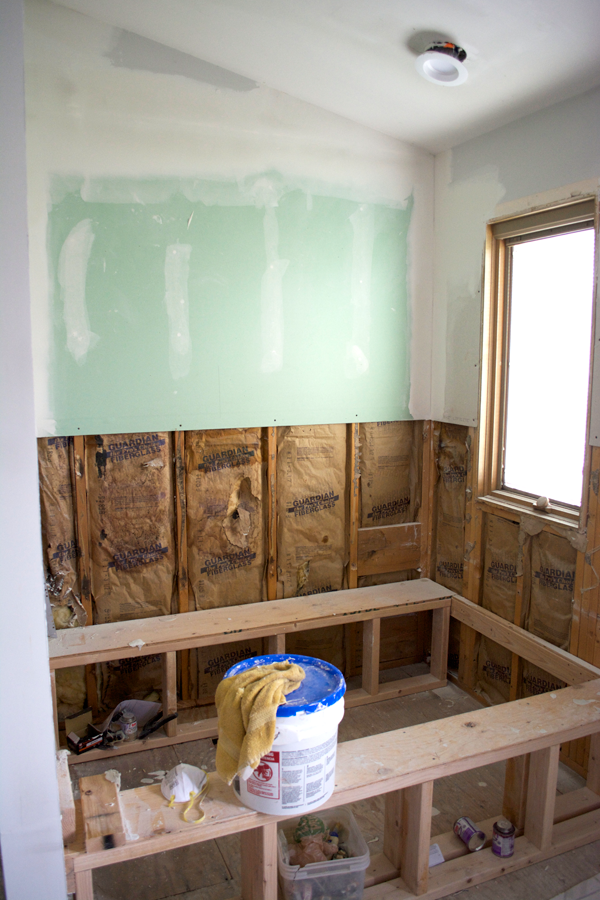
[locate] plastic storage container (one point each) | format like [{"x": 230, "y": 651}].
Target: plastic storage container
[
  {"x": 298, "y": 775},
  {"x": 336, "y": 879}
]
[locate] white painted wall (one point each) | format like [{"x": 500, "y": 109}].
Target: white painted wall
[
  {"x": 540, "y": 159},
  {"x": 165, "y": 114},
  {"x": 30, "y": 831}
]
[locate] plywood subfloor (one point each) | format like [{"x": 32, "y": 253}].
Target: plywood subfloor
[{"x": 211, "y": 871}]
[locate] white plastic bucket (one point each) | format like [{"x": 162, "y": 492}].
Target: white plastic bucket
[{"x": 299, "y": 773}]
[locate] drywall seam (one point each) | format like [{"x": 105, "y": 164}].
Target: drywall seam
[{"x": 271, "y": 295}]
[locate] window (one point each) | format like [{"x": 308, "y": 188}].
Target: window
[{"x": 538, "y": 337}]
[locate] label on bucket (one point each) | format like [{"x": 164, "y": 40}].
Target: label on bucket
[
  {"x": 264, "y": 781},
  {"x": 297, "y": 777}
]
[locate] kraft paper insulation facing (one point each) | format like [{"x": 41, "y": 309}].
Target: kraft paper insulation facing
[
  {"x": 550, "y": 607},
  {"x": 59, "y": 540},
  {"x": 311, "y": 485},
  {"x": 60, "y": 554},
  {"x": 225, "y": 481},
  {"x": 494, "y": 667},
  {"x": 312, "y": 524},
  {"x": 536, "y": 681},
  {"x": 126, "y": 679},
  {"x": 390, "y": 488},
  {"x": 226, "y": 524},
  {"x": 132, "y": 540},
  {"x": 451, "y": 496},
  {"x": 389, "y": 473},
  {"x": 208, "y": 666},
  {"x": 71, "y": 691},
  {"x": 501, "y": 565}
]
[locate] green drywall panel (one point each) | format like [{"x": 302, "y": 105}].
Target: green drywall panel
[{"x": 293, "y": 306}]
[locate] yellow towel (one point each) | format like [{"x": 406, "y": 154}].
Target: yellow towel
[{"x": 247, "y": 705}]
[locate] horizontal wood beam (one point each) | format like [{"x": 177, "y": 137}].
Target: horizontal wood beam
[
  {"x": 476, "y": 868},
  {"x": 374, "y": 765},
  {"x": 204, "y": 628},
  {"x": 391, "y": 548},
  {"x": 552, "y": 659}
]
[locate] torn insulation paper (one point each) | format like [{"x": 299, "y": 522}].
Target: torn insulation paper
[
  {"x": 226, "y": 521},
  {"x": 132, "y": 537},
  {"x": 311, "y": 481},
  {"x": 59, "y": 539},
  {"x": 311, "y": 505}
]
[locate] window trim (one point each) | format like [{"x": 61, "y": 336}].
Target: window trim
[{"x": 500, "y": 235}]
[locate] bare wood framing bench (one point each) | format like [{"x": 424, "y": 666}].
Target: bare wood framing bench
[
  {"x": 402, "y": 765},
  {"x": 166, "y": 635}
]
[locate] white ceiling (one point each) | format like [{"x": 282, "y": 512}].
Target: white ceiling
[{"x": 356, "y": 57}]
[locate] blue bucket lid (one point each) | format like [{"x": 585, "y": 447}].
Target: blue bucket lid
[{"x": 323, "y": 684}]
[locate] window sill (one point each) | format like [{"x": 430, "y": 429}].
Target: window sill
[{"x": 513, "y": 506}]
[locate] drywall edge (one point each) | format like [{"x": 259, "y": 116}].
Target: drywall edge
[{"x": 30, "y": 828}]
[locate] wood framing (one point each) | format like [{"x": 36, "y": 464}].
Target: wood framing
[
  {"x": 182, "y": 557},
  {"x": 409, "y": 760},
  {"x": 272, "y": 513},
  {"x": 204, "y": 628},
  {"x": 168, "y": 635},
  {"x": 354, "y": 549},
  {"x": 389, "y": 548},
  {"x": 84, "y": 563},
  {"x": 559, "y": 662},
  {"x": 427, "y": 510}
]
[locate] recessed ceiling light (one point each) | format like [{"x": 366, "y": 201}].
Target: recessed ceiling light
[{"x": 442, "y": 63}]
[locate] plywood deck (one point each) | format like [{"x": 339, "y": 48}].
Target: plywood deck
[{"x": 211, "y": 871}]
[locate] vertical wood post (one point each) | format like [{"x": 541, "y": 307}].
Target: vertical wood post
[
  {"x": 83, "y": 526},
  {"x": 272, "y": 513},
  {"x": 440, "y": 633},
  {"x": 182, "y": 559},
  {"x": 84, "y": 889},
  {"x": 392, "y": 828},
  {"x": 473, "y": 551},
  {"x": 426, "y": 512},
  {"x": 516, "y": 779},
  {"x": 351, "y": 631},
  {"x": 84, "y": 562},
  {"x": 416, "y": 836},
  {"x": 259, "y": 863},
  {"x": 593, "y": 777},
  {"x": 354, "y": 505},
  {"x": 541, "y": 796},
  {"x": 276, "y": 644},
  {"x": 370, "y": 656},
  {"x": 169, "y": 689}
]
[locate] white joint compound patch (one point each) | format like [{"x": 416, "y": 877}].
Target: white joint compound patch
[
  {"x": 72, "y": 275},
  {"x": 177, "y": 271},
  {"x": 271, "y": 296}
]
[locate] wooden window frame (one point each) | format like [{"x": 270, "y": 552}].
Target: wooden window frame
[{"x": 500, "y": 235}]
